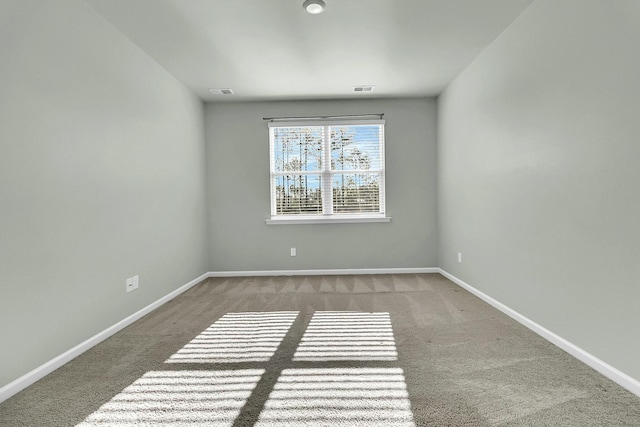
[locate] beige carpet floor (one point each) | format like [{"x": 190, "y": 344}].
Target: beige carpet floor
[{"x": 388, "y": 350}]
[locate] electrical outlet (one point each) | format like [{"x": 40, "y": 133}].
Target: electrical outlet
[
  {"x": 460, "y": 257},
  {"x": 293, "y": 251},
  {"x": 132, "y": 283},
  {"x": 129, "y": 286}
]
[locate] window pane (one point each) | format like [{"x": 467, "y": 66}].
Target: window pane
[
  {"x": 355, "y": 193},
  {"x": 298, "y": 194},
  {"x": 297, "y": 148},
  {"x": 356, "y": 147}
]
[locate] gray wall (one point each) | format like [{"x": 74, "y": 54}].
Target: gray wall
[
  {"x": 101, "y": 177},
  {"x": 238, "y": 183},
  {"x": 539, "y": 178}
]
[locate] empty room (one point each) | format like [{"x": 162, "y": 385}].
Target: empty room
[{"x": 319, "y": 213}]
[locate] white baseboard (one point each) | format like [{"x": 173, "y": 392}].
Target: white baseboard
[
  {"x": 31, "y": 377},
  {"x": 345, "y": 271},
  {"x": 604, "y": 368}
]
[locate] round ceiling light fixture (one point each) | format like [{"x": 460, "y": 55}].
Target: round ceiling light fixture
[{"x": 314, "y": 7}]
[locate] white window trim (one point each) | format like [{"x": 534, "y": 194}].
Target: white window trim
[
  {"x": 325, "y": 219},
  {"x": 347, "y": 218}
]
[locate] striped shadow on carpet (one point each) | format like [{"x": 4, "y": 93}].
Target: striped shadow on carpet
[{"x": 311, "y": 396}]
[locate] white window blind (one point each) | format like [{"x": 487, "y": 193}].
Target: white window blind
[{"x": 327, "y": 169}]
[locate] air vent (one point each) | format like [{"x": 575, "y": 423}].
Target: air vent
[
  {"x": 221, "y": 91},
  {"x": 367, "y": 88}
]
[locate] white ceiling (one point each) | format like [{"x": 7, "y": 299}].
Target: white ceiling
[{"x": 273, "y": 49}]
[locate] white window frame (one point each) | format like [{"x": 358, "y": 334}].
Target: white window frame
[{"x": 327, "y": 202}]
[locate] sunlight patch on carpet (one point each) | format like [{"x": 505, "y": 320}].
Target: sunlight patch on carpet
[
  {"x": 351, "y": 397},
  {"x": 346, "y": 335},
  {"x": 178, "y": 398},
  {"x": 238, "y": 337}
]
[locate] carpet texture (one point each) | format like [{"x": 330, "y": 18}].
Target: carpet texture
[{"x": 384, "y": 350}]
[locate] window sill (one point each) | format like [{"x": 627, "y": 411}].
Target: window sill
[{"x": 326, "y": 220}]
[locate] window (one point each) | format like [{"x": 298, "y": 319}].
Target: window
[{"x": 327, "y": 171}]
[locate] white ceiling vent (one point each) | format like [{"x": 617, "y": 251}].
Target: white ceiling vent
[
  {"x": 221, "y": 91},
  {"x": 367, "y": 88}
]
